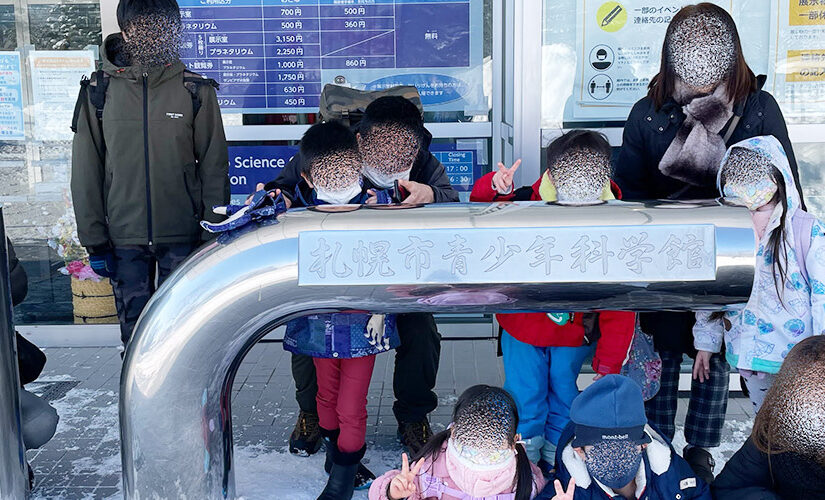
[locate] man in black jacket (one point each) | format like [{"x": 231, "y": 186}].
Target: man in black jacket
[{"x": 387, "y": 129}]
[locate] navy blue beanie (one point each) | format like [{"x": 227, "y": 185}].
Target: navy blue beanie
[{"x": 611, "y": 409}]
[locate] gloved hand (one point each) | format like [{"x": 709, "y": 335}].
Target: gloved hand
[
  {"x": 375, "y": 332},
  {"x": 103, "y": 264}
]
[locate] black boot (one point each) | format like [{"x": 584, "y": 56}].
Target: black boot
[
  {"x": 305, "y": 439},
  {"x": 340, "y": 484},
  {"x": 330, "y": 442},
  {"x": 363, "y": 478},
  {"x": 701, "y": 461}
]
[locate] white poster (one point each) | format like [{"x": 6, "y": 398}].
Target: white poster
[
  {"x": 620, "y": 51},
  {"x": 797, "y": 58},
  {"x": 56, "y": 78}
]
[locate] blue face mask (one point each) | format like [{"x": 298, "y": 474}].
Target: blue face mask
[{"x": 614, "y": 465}]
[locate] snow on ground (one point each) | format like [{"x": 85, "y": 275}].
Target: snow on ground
[
  {"x": 263, "y": 473},
  {"x": 277, "y": 474}
]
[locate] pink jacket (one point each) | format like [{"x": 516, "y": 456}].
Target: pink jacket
[{"x": 434, "y": 476}]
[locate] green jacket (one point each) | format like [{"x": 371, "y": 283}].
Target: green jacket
[{"x": 160, "y": 170}]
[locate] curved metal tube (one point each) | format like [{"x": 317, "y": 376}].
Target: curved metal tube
[
  {"x": 175, "y": 414},
  {"x": 14, "y": 480}
]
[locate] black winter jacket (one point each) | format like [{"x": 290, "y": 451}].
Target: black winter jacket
[
  {"x": 426, "y": 170},
  {"x": 753, "y": 475},
  {"x": 647, "y": 135}
]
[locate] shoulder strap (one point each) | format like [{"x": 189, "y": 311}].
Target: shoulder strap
[
  {"x": 193, "y": 82},
  {"x": 81, "y": 98},
  {"x": 802, "y": 242},
  {"x": 731, "y": 128},
  {"x": 97, "y": 93}
]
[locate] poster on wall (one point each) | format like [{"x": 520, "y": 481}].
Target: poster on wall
[
  {"x": 11, "y": 98},
  {"x": 620, "y": 51},
  {"x": 274, "y": 56},
  {"x": 797, "y": 58},
  {"x": 56, "y": 78}
]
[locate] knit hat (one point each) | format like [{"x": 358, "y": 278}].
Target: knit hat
[
  {"x": 612, "y": 409},
  {"x": 127, "y": 10}
]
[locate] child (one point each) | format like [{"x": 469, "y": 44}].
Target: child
[
  {"x": 543, "y": 353},
  {"x": 342, "y": 345},
  {"x": 787, "y": 303},
  {"x": 477, "y": 457},
  {"x": 609, "y": 451},
  {"x": 784, "y": 459}
]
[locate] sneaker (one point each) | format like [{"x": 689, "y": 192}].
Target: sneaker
[
  {"x": 701, "y": 461},
  {"x": 306, "y": 436},
  {"x": 414, "y": 435},
  {"x": 363, "y": 478}
]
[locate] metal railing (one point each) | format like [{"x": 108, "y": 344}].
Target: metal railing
[{"x": 175, "y": 408}]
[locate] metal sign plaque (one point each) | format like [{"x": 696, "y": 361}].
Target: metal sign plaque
[{"x": 654, "y": 253}]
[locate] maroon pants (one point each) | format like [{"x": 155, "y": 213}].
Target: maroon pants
[{"x": 342, "y": 398}]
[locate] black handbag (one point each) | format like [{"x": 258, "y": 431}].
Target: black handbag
[{"x": 30, "y": 360}]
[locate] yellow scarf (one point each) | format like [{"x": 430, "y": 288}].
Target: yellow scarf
[{"x": 547, "y": 190}]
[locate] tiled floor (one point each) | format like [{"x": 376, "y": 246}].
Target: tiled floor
[{"x": 82, "y": 461}]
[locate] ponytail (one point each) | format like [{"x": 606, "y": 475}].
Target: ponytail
[{"x": 524, "y": 474}]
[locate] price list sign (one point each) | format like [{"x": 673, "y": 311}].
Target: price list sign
[{"x": 276, "y": 55}]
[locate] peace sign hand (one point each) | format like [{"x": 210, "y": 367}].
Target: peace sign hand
[
  {"x": 403, "y": 484},
  {"x": 503, "y": 178},
  {"x": 565, "y": 495}
]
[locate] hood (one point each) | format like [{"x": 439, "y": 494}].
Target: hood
[
  {"x": 115, "y": 63},
  {"x": 658, "y": 452},
  {"x": 770, "y": 146}
]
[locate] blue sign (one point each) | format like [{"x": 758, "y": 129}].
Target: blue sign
[
  {"x": 461, "y": 166},
  {"x": 276, "y": 55},
  {"x": 11, "y": 98},
  {"x": 249, "y": 165},
  {"x": 591, "y": 254}
]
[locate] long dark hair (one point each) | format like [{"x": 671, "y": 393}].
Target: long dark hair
[
  {"x": 741, "y": 81},
  {"x": 523, "y": 481},
  {"x": 776, "y": 242},
  {"x": 805, "y": 365}
]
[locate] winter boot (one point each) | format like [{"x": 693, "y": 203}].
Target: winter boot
[
  {"x": 306, "y": 436},
  {"x": 340, "y": 484},
  {"x": 701, "y": 461},
  {"x": 363, "y": 478},
  {"x": 414, "y": 435}
]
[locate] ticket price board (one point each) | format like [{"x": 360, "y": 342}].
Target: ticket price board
[{"x": 276, "y": 55}]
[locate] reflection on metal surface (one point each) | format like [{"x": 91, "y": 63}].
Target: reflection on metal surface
[
  {"x": 14, "y": 479},
  {"x": 175, "y": 413}
]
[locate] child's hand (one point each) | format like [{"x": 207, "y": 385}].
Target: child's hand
[
  {"x": 503, "y": 179},
  {"x": 260, "y": 187},
  {"x": 565, "y": 495},
  {"x": 701, "y": 366},
  {"x": 403, "y": 485}
]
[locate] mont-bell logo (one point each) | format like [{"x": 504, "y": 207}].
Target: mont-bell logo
[
  {"x": 174, "y": 116},
  {"x": 615, "y": 437}
]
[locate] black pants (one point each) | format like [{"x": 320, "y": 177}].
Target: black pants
[
  {"x": 139, "y": 267},
  {"x": 416, "y": 367}
]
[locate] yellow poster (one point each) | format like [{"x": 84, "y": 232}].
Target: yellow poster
[{"x": 806, "y": 13}]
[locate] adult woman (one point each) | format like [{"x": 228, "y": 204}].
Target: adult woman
[
  {"x": 704, "y": 98},
  {"x": 785, "y": 456}
]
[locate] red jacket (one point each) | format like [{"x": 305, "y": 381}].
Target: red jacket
[{"x": 537, "y": 329}]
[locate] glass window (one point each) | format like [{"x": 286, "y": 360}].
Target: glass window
[{"x": 64, "y": 26}]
